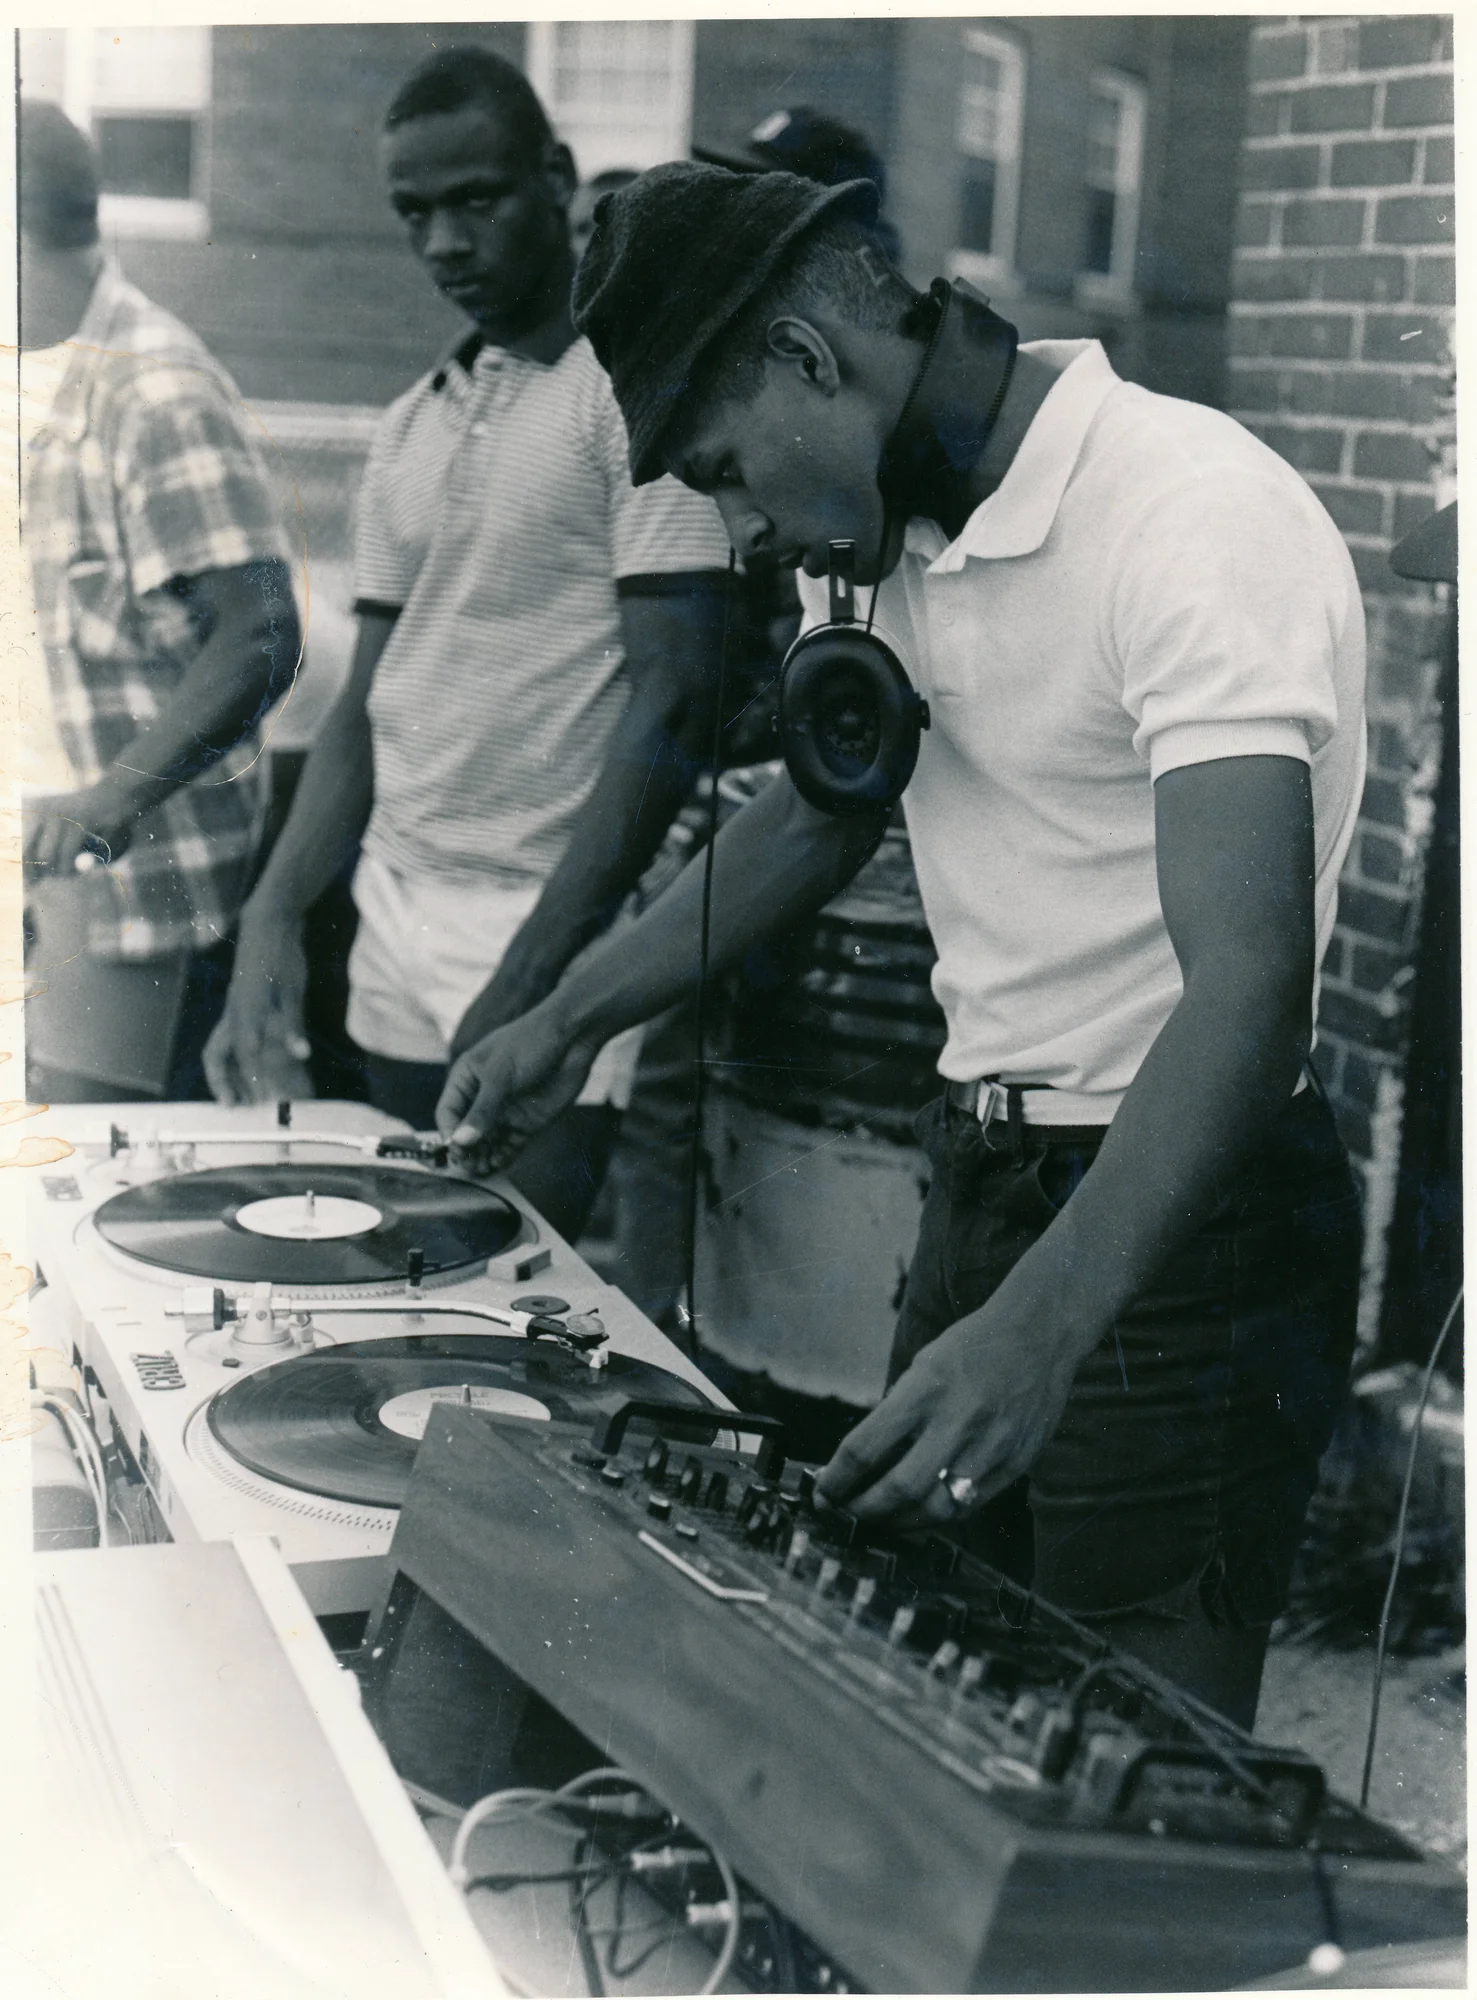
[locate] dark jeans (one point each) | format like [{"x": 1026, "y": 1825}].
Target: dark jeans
[
  {"x": 1177, "y": 1480},
  {"x": 559, "y": 1171}
]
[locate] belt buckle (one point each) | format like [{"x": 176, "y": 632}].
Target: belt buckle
[{"x": 991, "y": 1102}]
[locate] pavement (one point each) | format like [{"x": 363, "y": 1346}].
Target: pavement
[{"x": 1318, "y": 1701}]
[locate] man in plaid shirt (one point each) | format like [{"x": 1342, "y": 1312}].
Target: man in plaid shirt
[{"x": 165, "y": 611}]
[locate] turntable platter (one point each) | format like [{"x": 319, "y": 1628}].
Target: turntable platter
[
  {"x": 308, "y": 1224},
  {"x": 344, "y": 1422}
]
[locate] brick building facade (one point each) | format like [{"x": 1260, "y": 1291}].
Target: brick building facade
[
  {"x": 1341, "y": 358},
  {"x": 1081, "y": 170}
]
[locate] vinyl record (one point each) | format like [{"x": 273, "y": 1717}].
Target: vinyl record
[
  {"x": 345, "y": 1422},
  {"x": 303, "y": 1223}
]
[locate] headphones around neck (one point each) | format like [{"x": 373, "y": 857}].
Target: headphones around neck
[{"x": 850, "y": 719}]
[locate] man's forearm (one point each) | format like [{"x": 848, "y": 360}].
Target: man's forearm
[
  {"x": 331, "y": 806},
  {"x": 777, "y": 861},
  {"x": 244, "y": 666}
]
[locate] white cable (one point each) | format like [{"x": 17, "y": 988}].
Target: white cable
[
  {"x": 531, "y": 1800},
  {"x": 723, "y": 1964},
  {"x": 83, "y": 1449}
]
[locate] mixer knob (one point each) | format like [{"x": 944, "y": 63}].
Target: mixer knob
[
  {"x": 716, "y": 1496},
  {"x": 901, "y": 1626},
  {"x": 830, "y": 1570},
  {"x": 656, "y": 1460},
  {"x": 659, "y": 1505},
  {"x": 749, "y": 1499},
  {"x": 806, "y": 1487},
  {"x": 799, "y": 1543},
  {"x": 690, "y": 1478},
  {"x": 861, "y": 1597}
]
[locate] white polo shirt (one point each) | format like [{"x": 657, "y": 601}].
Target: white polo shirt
[{"x": 1148, "y": 587}]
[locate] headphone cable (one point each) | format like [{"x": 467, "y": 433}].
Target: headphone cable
[{"x": 699, "y": 1024}]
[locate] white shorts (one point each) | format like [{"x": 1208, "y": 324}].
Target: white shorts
[{"x": 423, "y": 952}]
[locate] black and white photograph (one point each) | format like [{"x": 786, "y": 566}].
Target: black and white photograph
[{"x": 733, "y": 1007}]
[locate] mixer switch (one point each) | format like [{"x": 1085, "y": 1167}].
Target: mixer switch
[
  {"x": 716, "y": 1496},
  {"x": 805, "y": 1486},
  {"x": 944, "y": 1658},
  {"x": 795, "y": 1553},
  {"x": 612, "y": 1475},
  {"x": 901, "y": 1626},
  {"x": 656, "y": 1460},
  {"x": 880, "y": 1564},
  {"x": 861, "y": 1597},
  {"x": 830, "y": 1570},
  {"x": 690, "y": 1478},
  {"x": 660, "y": 1505}
]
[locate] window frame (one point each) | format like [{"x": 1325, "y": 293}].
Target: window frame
[
  {"x": 180, "y": 218},
  {"x": 1115, "y": 286},
  {"x": 995, "y": 268},
  {"x": 541, "y": 64}
]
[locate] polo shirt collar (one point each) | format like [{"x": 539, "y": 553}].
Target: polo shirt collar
[{"x": 1017, "y": 517}]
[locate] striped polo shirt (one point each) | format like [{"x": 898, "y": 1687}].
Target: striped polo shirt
[{"x": 498, "y": 516}]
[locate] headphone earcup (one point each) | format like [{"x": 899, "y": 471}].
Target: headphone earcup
[{"x": 850, "y": 720}]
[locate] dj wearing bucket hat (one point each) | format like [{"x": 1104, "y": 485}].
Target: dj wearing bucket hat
[{"x": 1128, "y": 1320}]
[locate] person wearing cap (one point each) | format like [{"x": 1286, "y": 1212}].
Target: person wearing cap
[
  {"x": 800, "y": 140},
  {"x": 1131, "y": 1308},
  {"x": 165, "y": 612},
  {"x": 535, "y": 668}
]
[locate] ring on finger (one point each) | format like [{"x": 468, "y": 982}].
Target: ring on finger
[{"x": 960, "y": 1486}]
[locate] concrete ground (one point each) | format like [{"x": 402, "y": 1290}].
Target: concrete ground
[{"x": 1319, "y": 1702}]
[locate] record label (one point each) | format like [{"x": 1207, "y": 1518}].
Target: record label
[
  {"x": 344, "y": 1422},
  {"x": 301, "y": 1224}
]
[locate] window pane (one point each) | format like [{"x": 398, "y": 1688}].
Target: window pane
[
  {"x": 977, "y": 206},
  {"x": 150, "y": 69},
  {"x": 150, "y": 156},
  {"x": 1098, "y": 255}
]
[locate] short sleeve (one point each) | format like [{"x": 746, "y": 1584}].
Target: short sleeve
[
  {"x": 384, "y": 568},
  {"x": 1225, "y": 609},
  {"x": 192, "y": 489},
  {"x": 659, "y": 529}
]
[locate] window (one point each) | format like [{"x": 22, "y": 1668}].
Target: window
[
  {"x": 992, "y": 94},
  {"x": 619, "y": 92},
  {"x": 1115, "y": 159},
  {"x": 143, "y": 93}
]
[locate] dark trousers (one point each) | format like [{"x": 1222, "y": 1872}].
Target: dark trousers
[
  {"x": 1176, "y": 1483},
  {"x": 559, "y": 1171}
]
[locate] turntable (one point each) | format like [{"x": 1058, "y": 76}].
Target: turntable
[{"x": 266, "y": 1306}]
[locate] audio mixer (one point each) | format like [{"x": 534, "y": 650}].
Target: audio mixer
[{"x": 943, "y": 1781}]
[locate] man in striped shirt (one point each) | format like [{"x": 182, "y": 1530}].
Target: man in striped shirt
[{"x": 535, "y": 668}]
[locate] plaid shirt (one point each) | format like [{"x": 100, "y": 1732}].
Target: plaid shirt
[{"x": 146, "y": 473}]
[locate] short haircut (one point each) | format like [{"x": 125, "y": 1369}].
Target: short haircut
[
  {"x": 836, "y": 265},
  {"x": 466, "y": 75},
  {"x": 57, "y": 172}
]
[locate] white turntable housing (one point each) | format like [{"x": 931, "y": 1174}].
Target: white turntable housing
[{"x": 157, "y": 1369}]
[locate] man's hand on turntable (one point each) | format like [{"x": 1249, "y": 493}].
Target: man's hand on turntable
[
  {"x": 509, "y": 1085},
  {"x": 258, "y": 1049}
]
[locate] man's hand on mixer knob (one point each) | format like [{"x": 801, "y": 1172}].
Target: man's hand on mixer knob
[
  {"x": 970, "y": 1415},
  {"x": 258, "y": 1049},
  {"x": 509, "y": 1085}
]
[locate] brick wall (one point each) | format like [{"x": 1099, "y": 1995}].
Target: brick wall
[{"x": 1343, "y": 286}]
